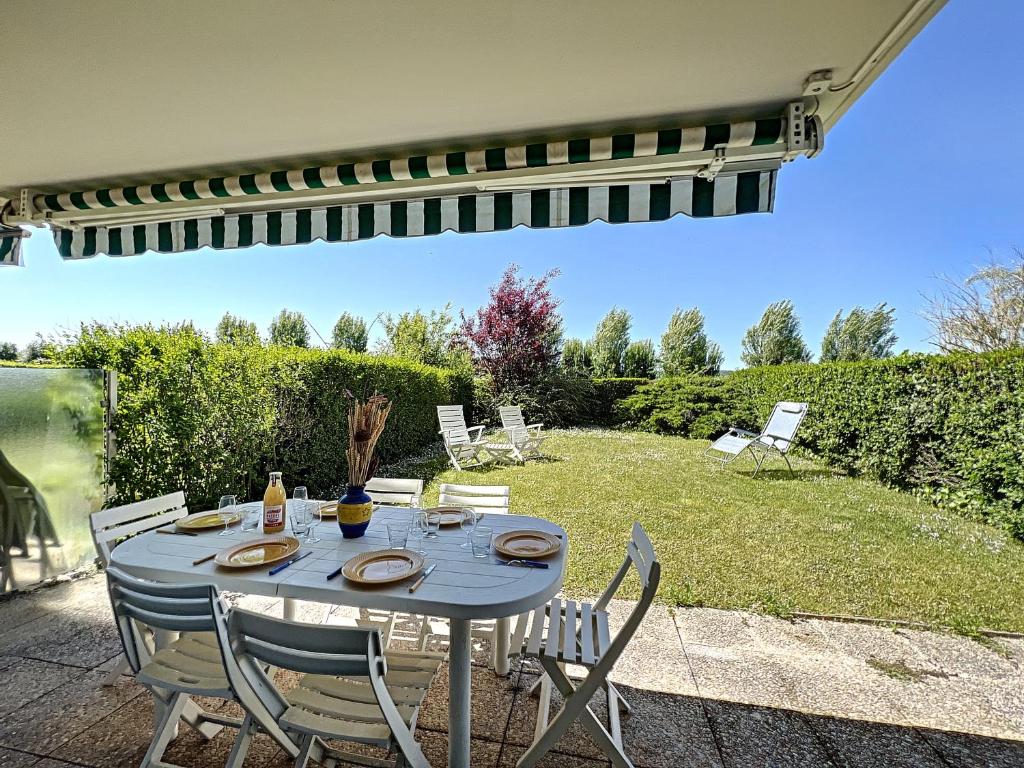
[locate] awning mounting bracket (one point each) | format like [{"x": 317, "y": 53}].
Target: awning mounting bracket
[{"x": 713, "y": 168}]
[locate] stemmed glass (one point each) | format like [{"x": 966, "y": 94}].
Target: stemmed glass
[
  {"x": 226, "y": 508},
  {"x": 301, "y": 497},
  {"x": 468, "y": 523}
]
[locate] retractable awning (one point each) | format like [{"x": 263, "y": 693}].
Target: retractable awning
[{"x": 704, "y": 171}]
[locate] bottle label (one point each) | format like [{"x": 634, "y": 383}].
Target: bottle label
[{"x": 273, "y": 515}]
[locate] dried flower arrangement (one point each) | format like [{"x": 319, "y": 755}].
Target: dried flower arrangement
[{"x": 365, "y": 424}]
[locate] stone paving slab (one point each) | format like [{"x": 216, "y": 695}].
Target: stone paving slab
[{"x": 708, "y": 688}]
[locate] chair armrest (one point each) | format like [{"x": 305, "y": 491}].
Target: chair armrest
[
  {"x": 535, "y": 426},
  {"x": 479, "y": 432},
  {"x": 743, "y": 432},
  {"x": 773, "y": 438}
]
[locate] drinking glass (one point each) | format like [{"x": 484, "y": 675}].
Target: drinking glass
[
  {"x": 398, "y": 535},
  {"x": 431, "y": 524},
  {"x": 226, "y": 507},
  {"x": 416, "y": 533},
  {"x": 481, "y": 540},
  {"x": 468, "y": 523},
  {"x": 298, "y": 519},
  {"x": 251, "y": 518}
]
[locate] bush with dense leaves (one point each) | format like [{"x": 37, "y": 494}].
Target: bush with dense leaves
[
  {"x": 694, "y": 406},
  {"x": 215, "y": 418}
]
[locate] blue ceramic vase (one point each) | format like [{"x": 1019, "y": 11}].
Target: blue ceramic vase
[{"x": 354, "y": 511}]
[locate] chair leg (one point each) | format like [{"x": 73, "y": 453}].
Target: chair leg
[
  {"x": 305, "y": 748},
  {"x": 166, "y": 729},
  {"x": 543, "y": 707},
  {"x": 241, "y": 746},
  {"x": 115, "y": 674},
  {"x": 194, "y": 716},
  {"x": 786, "y": 458},
  {"x": 624, "y": 706}
]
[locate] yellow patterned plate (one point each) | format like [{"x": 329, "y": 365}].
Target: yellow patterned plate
[
  {"x": 201, "y": 520},
  {"x": 528, "y": 544},
  {"x": 383, "y": 566},
  {"x": 262, "y": 551},
  {"x": 447, "y": 515}
]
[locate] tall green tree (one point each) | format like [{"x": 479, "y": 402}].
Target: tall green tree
[
  {"x": 608, "y": 347},
  {"x": 8, "y": 350},
  {"x": 775, "y": 339},
  {"x": 685, "y": 347},
  {"x": 864, "y": 334},
  {"x": 640, "y": 360},
  {"x": 235, "y": 330},
  {"x": 349, "y": 333},
  {"x": 576, "y": 357},
  {"x": 289, "y": 329},
  {"x": 430, "y": 339}
]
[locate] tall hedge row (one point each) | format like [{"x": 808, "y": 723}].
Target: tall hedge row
[
  {"x": 212, "y": 418},
  {"x": 949, "y": 426}
]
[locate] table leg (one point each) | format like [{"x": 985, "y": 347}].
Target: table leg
[
  {"x": 460, "y": 651},
  {"x": 502, "y": 638},
  {"x": 288, "y": 609}
]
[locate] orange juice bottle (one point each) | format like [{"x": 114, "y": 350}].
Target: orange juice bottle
[{"x": 274, "y": 505}]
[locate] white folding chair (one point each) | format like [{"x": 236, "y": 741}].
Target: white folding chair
[
  {"x": 193, "y": 665},
  {"x": 351, "y": 689},
  {"x": 484, "y": 500},
  {"x": 464, "y": 449},
  {"x": 776, "y": 438},
  {"x": 110, "y": 526},
  {"x": 567, "y": 632},
  {"x": 526, "y": 439}
]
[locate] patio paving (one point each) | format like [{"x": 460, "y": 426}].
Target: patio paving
[{"x": 708, "y": 688}]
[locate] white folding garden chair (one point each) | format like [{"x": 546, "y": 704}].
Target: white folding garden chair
[
  {"x": 776, "y": 438},
  {"x": 193, "y": 665},
  {"x": 484, "y": 500},
  {"x": 351, "y": 689},
  {"x": 567, "y": 632},
  {"x": 464, "y": 449},
  {"x": 526, "y": 439},
  {"x": 110, "y": 526}
]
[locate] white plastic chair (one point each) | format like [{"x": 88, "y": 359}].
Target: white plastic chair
[
  {"x": 192, "y": 665},
  {"x": 351, "y": 689},
  {"x": 110, "y": 526},
  {"x": 776, "y": 438},
  {"x": 526, "y": 439},
  {"x": 484, "y": 500},
  {"x": 568, "y": 632},
  {"x": 395, "y": 491},
  {"x": 463, "y": 448}
]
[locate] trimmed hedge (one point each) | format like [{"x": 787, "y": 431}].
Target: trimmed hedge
[
  {"x": 607, "y": 392},
  {"x": 212, "y": 418},
  {"x": 951, "y": 427}
]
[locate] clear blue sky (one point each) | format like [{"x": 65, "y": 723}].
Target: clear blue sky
[{"x": 918, "y": 179}]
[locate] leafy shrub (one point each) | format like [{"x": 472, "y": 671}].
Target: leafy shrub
[
  {"x": 214, "y": 418},
  {"x": 694, "y": 406},
  {"x": 607, "y": 392},
  {"x": 555, "y": 399}
]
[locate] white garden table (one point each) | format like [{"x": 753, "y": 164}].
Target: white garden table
[{"x": 461, "y": 588}]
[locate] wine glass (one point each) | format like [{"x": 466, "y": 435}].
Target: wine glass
[
  {"x": 467, "y": 523},
  {"x": 226, "y": 508}
]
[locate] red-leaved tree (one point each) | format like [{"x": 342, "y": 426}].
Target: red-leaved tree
[{"x": 516, "y": 336}]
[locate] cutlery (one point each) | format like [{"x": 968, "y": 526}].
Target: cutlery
[
  {"x": 421, "y": 579},
  {"x": 523, "y": 563},
  {"x": 335, "y": 572},
  {"x": 282, "y": 566},
  {"x": 202, "y": 560},
  {"x": 176, "y": 533}
]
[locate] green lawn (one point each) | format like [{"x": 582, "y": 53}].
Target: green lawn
[{"x": 821, "y": 543}]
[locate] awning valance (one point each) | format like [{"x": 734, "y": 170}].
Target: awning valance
[
  {"x": 748, "y": 192},
  {"x": 703, "y": 171}
]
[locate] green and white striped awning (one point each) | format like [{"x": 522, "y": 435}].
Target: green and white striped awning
[
  {"x": 10, "y": 246},
  {"x": 749, "y": 192},
  {"x": 630, "y": 177}
]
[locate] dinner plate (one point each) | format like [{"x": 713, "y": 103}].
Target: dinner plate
[
  {"x": 200, "y": 520},
  {"x": 527, "y": 544},
  {"x": 383, "y": 566},
  {"x": 328, "y": 509},
  {"x": 262, "y": 551},
  {"x": 447, "y": 515}
]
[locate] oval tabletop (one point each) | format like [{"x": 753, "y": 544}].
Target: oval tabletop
[{"x": 461, "y": 587}]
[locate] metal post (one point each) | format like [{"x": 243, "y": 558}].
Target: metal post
[
  {"x": 459, "y": 692},
  {"x": 109, "y": 438}
]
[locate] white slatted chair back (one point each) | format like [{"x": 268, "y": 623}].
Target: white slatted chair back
[
  {"x": 782, "y": 425},
  {"x": 111, "y": 525},
  {"x": 484, "y": 499},
  {"x": 320, "y": 650},
  {"x": 512, "y": 421},
  {"x": 453, "y": 424},
  {"x": 394, "y": 491}
]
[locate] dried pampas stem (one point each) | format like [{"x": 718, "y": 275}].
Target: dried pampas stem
[{"x": 365, "y": 424}]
